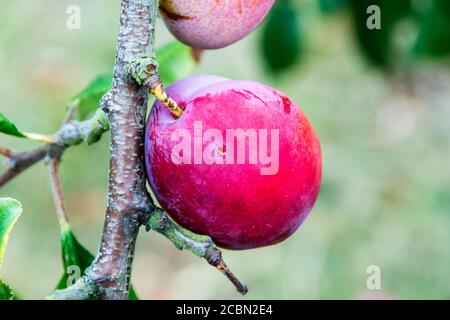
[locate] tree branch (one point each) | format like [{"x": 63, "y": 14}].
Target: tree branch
[
  {"x": 19, "y": 162},
  {"x": 71, "y": 134},
  {"x": 83, "y": 289},
  {"x": 201, "y": 246},
  {"x": 129, "y": 203}
]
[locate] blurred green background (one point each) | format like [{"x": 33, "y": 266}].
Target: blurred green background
[{"x": 385, "y": 134}]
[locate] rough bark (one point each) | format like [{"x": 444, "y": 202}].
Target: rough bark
[{"x": 128, "y": 200}]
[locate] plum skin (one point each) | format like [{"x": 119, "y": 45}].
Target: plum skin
[
  {"x": 234, "y": 204},
  {"x": 213, "y": 24}
]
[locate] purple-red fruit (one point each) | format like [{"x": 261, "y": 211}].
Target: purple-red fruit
[
  {"x": 213, "y": 24},
  {"x": 242, "y": 164}
]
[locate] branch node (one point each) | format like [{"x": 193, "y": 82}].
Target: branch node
[
  {"x": 83, "y": 289},
  {"x": 144, "y": 70},
  {"x": 105, "y": 102}
]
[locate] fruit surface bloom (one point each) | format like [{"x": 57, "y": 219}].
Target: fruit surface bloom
[
  {"x": 242, "y": 164},
  {"x": 213, "y": 24}
]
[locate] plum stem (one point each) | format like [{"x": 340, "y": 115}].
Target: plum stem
[
  {"x": 144, "y": 71},
  {"x": 199, "y": 245},
  {"x": 161, "y": 95}
]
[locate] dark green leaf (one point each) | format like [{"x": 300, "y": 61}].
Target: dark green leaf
[
  {"x": 74, "y": 255},
  {"x": 76, "y": 259},
  {"x": 9, "y": 128},
  {"x": 434, "y": 33},
  {"x": 88, "y": 100},
  {"x": 176, "y": 61},
  {"x": 329, "y": 6},
  {"x": 6, "y": 292},
  {"x": 281, "y": 40},
  {"x": 132, "y": 294},
  {"x": 377, "y": 44}
]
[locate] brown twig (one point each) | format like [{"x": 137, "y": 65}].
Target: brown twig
[
  {"x": 8, "y": 153},
  {"x": 214, "y": 258},
  {"x": 53, "y": 166},
  {"x": 71, "y": 110},
  {"x": 19, "y": 162}
]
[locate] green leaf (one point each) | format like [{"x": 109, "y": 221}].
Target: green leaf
[
  {"x": 6, "y": 292},
  {"x": 132, "y": 294},
  {"x": 281, "y": 39},
  {"x": 377, "y": 44},
  {"x": 74, "y": 255},
  {"x": 88, "y": 100},
  {"x": 434, "y": 32},
  {"x": 76, "y": 259},
  {"x": 329, "y": 6},
  {"x": 9, "y": 128},
  {"x": 10, "y": 210},
  {"x": 176, "y": 61}
]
